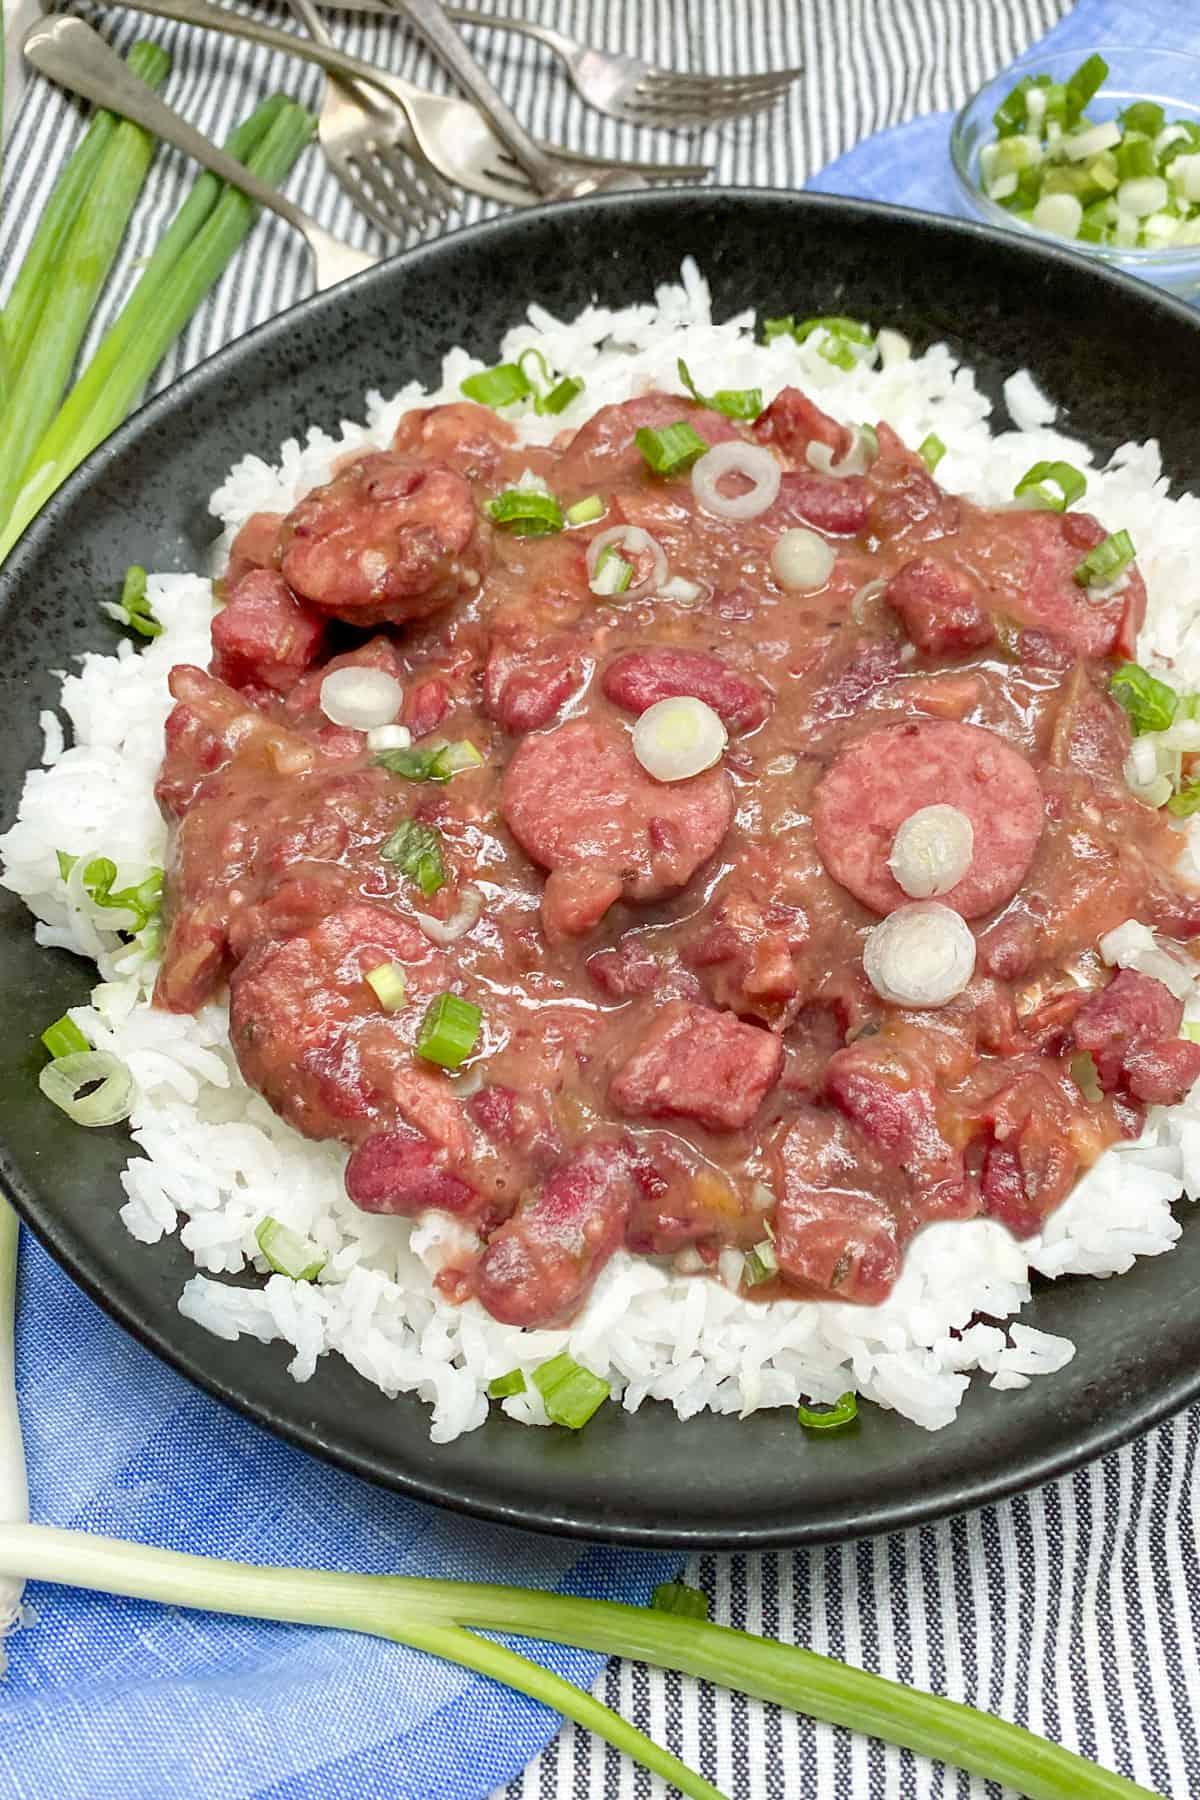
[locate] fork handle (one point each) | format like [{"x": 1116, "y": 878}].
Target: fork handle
[
  {"x": 541, "y": 34},
  {"x": 429, "y": 19},
  {"x": 67, "y": 50}
]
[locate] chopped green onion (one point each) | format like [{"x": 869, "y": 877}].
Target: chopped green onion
[
  {"x": 191, "y": 255},
  {"x": 760, "y": 1264},
  {"x": 1013, "y": 111},
  {"x": 1143, "y": 115},
  {"x": 843, "y": 1412},
  {"x": 1150, "y": 703},
  {"x": 1186, "y": 802},
  {"x": 389, "y": 983},
  {"x": 1069, "y": 485},
  {"x": 1190, "y": 1029},
  {"x": 64, "y": 1038},
  {"x": 681, "y": 1598},
  {"x": 734, "y": 403},
  {"x": 417, "y": 851},
  {"x": 90, "y": 1086},
  {"x": 612, "y": 574},
  {"x": 931, "y": 451},
  {"x": 840, "y": 336},
  {"x": 570, "y": 1393},
  {"x": 288, "y": 1252},
  {"x": 1086, "y": 82},
  {"x": 1136, "y": 159},
  {"x": 500, "y": 386},
  {"x": 449, "y": 1031},
  {"x": 525, "y": 512},
  {"x": 432, "y": 762},
  {"x": 560, "y": 395},
  {"x": 672, "y": 449},
  {"x": 586, "y": 512},
  {"x": 143, "y": 901},
  {"x": 133, "y": 608},
  {"x": 1086, "y": 1076},
  {"x": 1106, "y": 561},
  {"x": 65, "y": 863},
  {"x": 505, "y": 1385}
]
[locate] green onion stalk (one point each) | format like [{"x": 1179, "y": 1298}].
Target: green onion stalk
[
  {"x": 193, "y": 254},
  {"x": 73, "y": 285},
  {"x": 441, "y": 1617}
]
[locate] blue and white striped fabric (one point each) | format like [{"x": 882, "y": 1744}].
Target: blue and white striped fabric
[{"x": 1074, "y": 1609}]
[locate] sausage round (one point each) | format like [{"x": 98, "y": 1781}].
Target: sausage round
[
  {"x": 877, "y": 781},
  {"x": 579, "y": 803}
]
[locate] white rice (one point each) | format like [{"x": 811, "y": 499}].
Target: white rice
[{"x": 216, "y": 1159}]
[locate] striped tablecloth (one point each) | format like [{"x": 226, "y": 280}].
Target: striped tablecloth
[{"x": 1070, "y": 1608}]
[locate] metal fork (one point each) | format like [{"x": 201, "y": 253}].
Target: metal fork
[
  {"x": 452, "y": 134},
  {"x": 626, "y": 88},
  {"x": 370, "y": 149},
  {"x": 72, "y": 54}
]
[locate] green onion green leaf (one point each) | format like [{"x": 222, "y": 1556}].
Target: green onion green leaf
[
  {"x": 65, "y": 863},
  {"x": 759, "y": 1264},
  {"x": 1145, "y": 116},
  {"x": 525, "y": 512},
  {"x": 133, "y": 608},
  {"x": 449, "y": 1031},
  {"x": 931, "y": 451},
  {"x": 843, "y": 1412},
  {"x": 570, "y": 1393},
  {"x": 679, "y": 1597},
  {"x": 288, "y": 1252},
  {"x": 500, "y": 386},
  {"x": 560, "y": 395},
  {"x": 1186, "y": 803},
  {"x": 64, "y": 1038},
  {"x": 143, "y": 901},
  {"x": 416, "y": 850},
  {"x": 671, "y": 449},
  {"x": 1150, "y": 703},
  {"x": 586, "y": 512},
  {"x": 734, "y": 403},
  {"x": 1086, "y": 82},
  {"x": 1051, "y": 486},
  {"x": 505, "y": 1385},
  {"x": 1113, "y": 554}
]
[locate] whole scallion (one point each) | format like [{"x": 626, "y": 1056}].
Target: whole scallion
[
  {"x": 73, "y": 286},
  {"x": 191, "y": 257}
]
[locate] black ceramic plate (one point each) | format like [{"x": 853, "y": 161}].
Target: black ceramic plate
[{"x": 1112, "y": 350}]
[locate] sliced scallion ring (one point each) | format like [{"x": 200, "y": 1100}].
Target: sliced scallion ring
[
  {"x": 843, "y": 1412},
  {"x": 679, "y": 737},
  {"x": 754, "y": 462},
  {"x": 586, "y": 512},
  {"x": 288, "y": 1252},
  {"x": 389, "y": 983},
  {"x": 1051, "y": 486},
  {"x": 500, "y": 386},
  {"x": 670, "y": 449},
  {"x": 636, "y": 542},
  {"x": 90, "y": 1086},
  {"x": 864, "y": 448},
  {"x": 1110, "y": 558},
  {"x": 505, "y": 1385},
  {"x": 449, "y": 1031},
  {"x": 931, "y": 451},
  {"x": 570, "y": 1393},
  {"x": 64, "y": 1038},
  {"x": 525, "y": 512}
]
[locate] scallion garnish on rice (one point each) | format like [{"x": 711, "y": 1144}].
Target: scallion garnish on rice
[
  {"x": 64, "y": 1038},
  {"x": 449, "y": 1031},
  {"x": 931, "y": 451},
  {"x": 501, "y": 386},
  {"x": 91, "y": 1086},
  {"x": 1150, "y": 703},
  {"x": 1106, "y": 561},
  {"x": 842, "y": 342},
  {"x": 843, "y": 1412},
  {"x": 1051, "y": 486},
  {"x": 734, "y": 403},
  {"x": 570, "y": 1393},
  {"x": 133, "y": 608},
  {"x": 506, "y": 1385},
  {"x": 289, "y": 1252}
]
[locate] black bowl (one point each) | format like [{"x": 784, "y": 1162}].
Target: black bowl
[{"x": 1114, "y": 351}]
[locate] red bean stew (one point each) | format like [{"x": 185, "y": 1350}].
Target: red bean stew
[{"x": 582, "y": 1006}]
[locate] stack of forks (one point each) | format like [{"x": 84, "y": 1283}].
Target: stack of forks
[{"x": 399, "y": 151}]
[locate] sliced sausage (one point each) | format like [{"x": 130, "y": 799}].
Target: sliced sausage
[
  {"x": 579, "y": 803},
  {"x": 836, "y": 505},
  {"x": 941, "y": 614},
  {"x": 880, "y": 779},
  {"x": 467, "y": 438},
  {"x": 389, "y": 538},
  {"x": 401, "y": 1171},
  {"x": 638, "y": 678},
  {"x": 792, "y": 422},
  {"x": 840, "y": 1217},
  {"x": 1036, "y": 578},
  {"x": 604, "y": 450},
  {"x": 695, "y": 1063},
  {"x": 539, "y": 1267}
]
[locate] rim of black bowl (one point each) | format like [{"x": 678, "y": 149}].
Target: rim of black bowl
[{"x": 868, "y": 1516}]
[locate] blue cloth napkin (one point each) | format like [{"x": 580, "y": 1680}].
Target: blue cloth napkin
[
  {"x": 909, "y": 164},
  {"x": 116, "y": 1700}
]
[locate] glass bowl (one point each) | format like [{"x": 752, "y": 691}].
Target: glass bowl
[{"x": 1168, "y": 76}]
